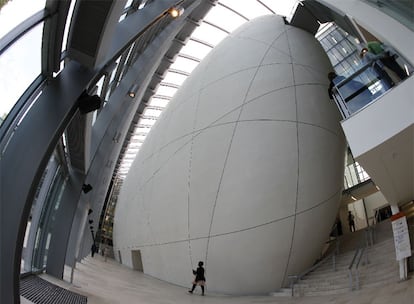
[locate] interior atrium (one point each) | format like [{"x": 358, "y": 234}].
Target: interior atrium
[{"x": 272, "y": 140}]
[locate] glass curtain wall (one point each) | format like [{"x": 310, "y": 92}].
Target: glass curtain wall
[
  {"x": 360, "y": 79},
  {"x": 47, "y": 219},
  {"x": 341, "y": 48}
]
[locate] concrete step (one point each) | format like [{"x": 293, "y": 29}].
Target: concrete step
[
  {"x": 307, "y": 291},
  {"x": 381, "y": 269}
]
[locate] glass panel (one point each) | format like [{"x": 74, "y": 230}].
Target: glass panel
[
  {"x": 67, "y": 25},
  {"x": 47, "y": 220},
  {"x": 195, "y": 49},
  {"x": 22, "y": 63},
  {"x": 99, "y": 85},
  {"x": 184, "y": 64},
  {"x": 225, "y": 18},
  {"x": 142, "y": 129},
  {"x": 138, "y": 137},
  {"x": 158, "y": 102},
  {"x": 248, "y": 8},
  {"x": 283, "y": 8},
  {"x": 174, "y": 78},
  {"x": 152, "y": 112},
  {"x": 147, "y": 122},
  {"x": 208, "y": 33},
  {"x": 359, "y": 90},
  {"x": 166, "y": 91},
  {"x": 17, "y": 11}
]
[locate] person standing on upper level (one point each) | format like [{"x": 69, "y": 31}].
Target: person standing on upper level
[
  {"x": 387, "y": 57},
  {"x": 351, "y": 221}
]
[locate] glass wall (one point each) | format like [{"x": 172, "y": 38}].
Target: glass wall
[
  {"x": 16, "y": 11},
  {"x": 20, "y": 65},
  {"x": 354, "y": 175},
  {"x": 361, "y": 77},
  {"x": 341, "y": 48},
  {"x": 47, "y": 219}
]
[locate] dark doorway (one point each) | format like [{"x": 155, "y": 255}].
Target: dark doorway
[{"x": 137, "y": 260}]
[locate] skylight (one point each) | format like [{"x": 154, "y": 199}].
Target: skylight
[{"x": 223, "y": 18}]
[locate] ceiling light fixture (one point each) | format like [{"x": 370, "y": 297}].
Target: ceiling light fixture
[
  {"x": 133, "y": 91},
  {"x": 176, "y": 11}
]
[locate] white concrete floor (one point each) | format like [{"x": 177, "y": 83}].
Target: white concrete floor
[{"x": 111, "y": 283}]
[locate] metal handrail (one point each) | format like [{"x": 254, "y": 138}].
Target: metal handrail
[
  {"x": 295, "y": 278},
  {"x": 356, "y": 261},
  {"x": 350, "y": 268},
  {"x": 357, "y": 266},
  {"x": 369, "y": 236}
]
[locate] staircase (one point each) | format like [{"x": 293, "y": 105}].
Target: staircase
[{"x": 382, "y": 268}]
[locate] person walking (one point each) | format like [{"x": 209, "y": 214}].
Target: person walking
[
  {"x": 199, "y": 279},
  {"x": 94, "y": 249}
]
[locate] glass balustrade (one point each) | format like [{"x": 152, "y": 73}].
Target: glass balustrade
[{"x": 368, "y": 83}]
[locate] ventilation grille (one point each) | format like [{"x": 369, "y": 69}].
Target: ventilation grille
[{"x": 40, "y": 291}]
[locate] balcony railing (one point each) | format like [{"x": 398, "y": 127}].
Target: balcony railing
[{"x": 364, "y": 86}]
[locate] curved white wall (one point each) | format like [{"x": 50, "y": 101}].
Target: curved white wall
[{"x": 244, "y": 169}]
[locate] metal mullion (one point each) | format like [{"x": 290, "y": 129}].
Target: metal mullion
[
  {"x": 105, "y": 85},
  {"x": 119, "y": 70}
]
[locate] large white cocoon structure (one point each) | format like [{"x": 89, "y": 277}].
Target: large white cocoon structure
[{"x": 243, "y": 170}]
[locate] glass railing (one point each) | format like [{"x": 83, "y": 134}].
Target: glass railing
[{"x": 368, "y": 83}]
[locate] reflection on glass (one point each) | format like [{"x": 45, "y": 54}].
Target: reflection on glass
[
  {"x": 22, "y": 63},
  {"x": 363, "y": 87},
  {"x": 47, "y": 220},
  {"x": 15, "y": 12}
]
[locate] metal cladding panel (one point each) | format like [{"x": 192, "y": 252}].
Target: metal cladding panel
[{"x": 92, "y": 28}]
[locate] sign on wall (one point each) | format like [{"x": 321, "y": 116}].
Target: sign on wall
[{"x": 401, "y": 236}]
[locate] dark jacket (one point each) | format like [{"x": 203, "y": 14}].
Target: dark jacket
[{"x": 199, "y": 273}]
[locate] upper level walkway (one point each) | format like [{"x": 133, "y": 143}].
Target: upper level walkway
[
  {"x": 378, "y": 125},
  {"x": 111, "y": 283}
]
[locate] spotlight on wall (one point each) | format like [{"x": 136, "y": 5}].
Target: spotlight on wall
[
  {"x": 133, "y": 91},
  {"x": 86, "y": 188},
  {"x": 89, "y": 103},
  {"x": 176, "y": 11}
]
